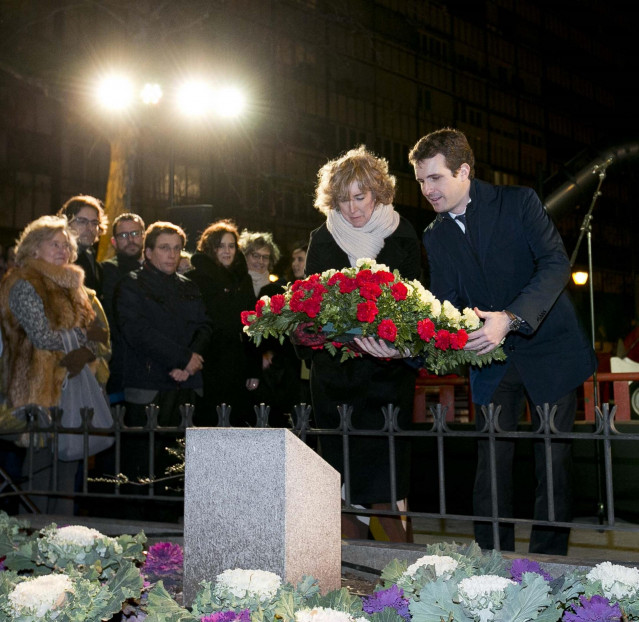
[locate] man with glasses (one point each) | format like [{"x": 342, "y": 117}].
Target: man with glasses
[
  {"x": 87, "y": 220},
  {"x": 128, "y": 241}
]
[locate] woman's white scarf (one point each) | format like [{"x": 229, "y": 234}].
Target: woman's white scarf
[
  {"x": 260, "y": 279},
  {"x": 366, "y": 241}
]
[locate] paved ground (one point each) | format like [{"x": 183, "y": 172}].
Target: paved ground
[{"x": 587, "y": 545}]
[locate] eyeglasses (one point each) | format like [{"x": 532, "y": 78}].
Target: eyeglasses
[
  {"x": 259, "y": 257},
  {"x": 85, "y": 222},
  {"x": 125, "y": 235}
]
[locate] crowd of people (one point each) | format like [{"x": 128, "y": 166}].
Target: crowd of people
[{"x": 168, "y": 322}]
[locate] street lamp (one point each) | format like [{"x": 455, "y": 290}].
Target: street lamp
[
  {"x": 115, "y": 92},
  {"x": 580, "y": 277}
]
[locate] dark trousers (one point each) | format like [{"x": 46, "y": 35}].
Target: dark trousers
[{"x": 510, "y": 395}]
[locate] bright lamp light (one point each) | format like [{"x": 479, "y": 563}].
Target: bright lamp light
[
  {"x": 229, "y": 102},
  {"x": 151, "y": 94},
  {"x": 195, "y": 98},
  {"x": 115, "y": 92},
  {"x": 579, "y": 277}
]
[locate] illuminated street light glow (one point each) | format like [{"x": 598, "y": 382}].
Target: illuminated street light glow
[
  {"x": 579, "y": 277},
  {"x": 229, "y": 102},
  {"x": 151, "y": 94},
  {"x": 195, "y": 98},
  {"x": 115, "y": 92}
]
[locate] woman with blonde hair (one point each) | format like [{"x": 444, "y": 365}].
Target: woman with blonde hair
[
  {"x": 355, "y": 193},
  {"x": 42, "y": 298}
]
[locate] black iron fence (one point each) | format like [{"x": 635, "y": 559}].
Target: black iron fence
[{"x": 606, "y": 462}]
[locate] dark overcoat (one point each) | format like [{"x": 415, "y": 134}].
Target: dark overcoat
[
  {"x": 513, "y": 258},
  {"x": 230, "y": 358},
  {"x": 365, "y": 383}
]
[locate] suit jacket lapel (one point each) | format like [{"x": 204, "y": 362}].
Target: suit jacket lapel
[{"x": 481, "y": 217}]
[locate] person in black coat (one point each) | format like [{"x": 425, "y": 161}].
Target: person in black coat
[
  {"x": 355, "y": 192},
  {"x": 495, "y": 249},
  {"x": 166, "y": 331},
  {"x": 232, "y": 363}
]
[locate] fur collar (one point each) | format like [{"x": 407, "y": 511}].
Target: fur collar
[{"x": 68, "y": 276}]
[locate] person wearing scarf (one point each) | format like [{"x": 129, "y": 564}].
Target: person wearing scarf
[{"x": 355, "y": 192}]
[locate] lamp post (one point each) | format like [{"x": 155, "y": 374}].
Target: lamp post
[{"x": 124, "y": 102}]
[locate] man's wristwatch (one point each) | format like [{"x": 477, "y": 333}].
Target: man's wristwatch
[{"x": 515, "y": 321}]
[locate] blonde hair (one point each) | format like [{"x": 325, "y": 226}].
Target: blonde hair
[
  {"x": 357, "y": 165},
  {"x": 41, "y": 230}
]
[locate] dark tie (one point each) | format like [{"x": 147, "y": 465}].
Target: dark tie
[{"x": 462, "y": 220}]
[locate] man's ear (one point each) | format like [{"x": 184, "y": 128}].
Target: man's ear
[
  {"x": 113, "y": 242},
  {"x": 464, "y": 171}
]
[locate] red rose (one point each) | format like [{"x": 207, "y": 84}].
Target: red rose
[
  {"x": 425, "y": 329},
  {"x": 247, "y": 317},
  {"x": 387, "y": 330},
  {"x": 297, "y": 301},
  {"x": 382, "y": 276},
  {"x": 259, "y": 305},
  {"x": 336, "y": 278},
  {"x": 459, "y": 340},
  {"x": 399, "y": 291},
  {"x": 277, "y": 303},
  {"x": 312, "y": 306},
  {"x": 366, "y": 311},
  {"x": 370, "y": 291},
  {"x": 442, "y": 340},
  {"x": 364, "y": 276},
  {"x": 347, "y": 285}
]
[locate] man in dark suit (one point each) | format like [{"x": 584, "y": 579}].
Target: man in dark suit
[{"x": 495, "y": 249}]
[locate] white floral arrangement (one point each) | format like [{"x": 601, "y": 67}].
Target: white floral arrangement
[
  {"x": 247, "y": 584},
  {"x": 443, "y": 565},
  {"x": 325, "y": 614},
  {"x": 617, "y": 582},
  {"x": 40, "y": 595},
  {"x": 483, "y": 595}
]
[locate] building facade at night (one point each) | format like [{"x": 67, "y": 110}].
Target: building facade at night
[{"x": 532, "y": 88}]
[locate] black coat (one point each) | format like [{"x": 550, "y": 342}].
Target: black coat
[
  {"x": 113, "y": 271},
  {"x": 517, "y": 261},
  {"x": 163, "y": 322},
  {"x": 365, "y": 383},
  {"x": 230, "y": 358}
]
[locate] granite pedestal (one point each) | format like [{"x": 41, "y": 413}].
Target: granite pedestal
[{"x": 259, "y": 499}]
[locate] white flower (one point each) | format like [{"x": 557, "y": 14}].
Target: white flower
[
  {"x": 248, "y": 583},
  {"x": 327, "y": 274},
  {"x": 435, "y": 308},
  {"x": 443, "y": 564},
  {"x": 380, "y": 267},
  {"x": 483, "y": 595},
  {"x": 41, "y": 594},
  {"x": 76, "y": 534},
  {"x": 452, "y": 314},
  {"x": 323, "y": 614},
  {"x": 616, "y": 581},
  {"x": 470, "y": 319},
  {"x": 366, "y": 262}
]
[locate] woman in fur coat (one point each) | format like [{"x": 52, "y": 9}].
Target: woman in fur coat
[{"x": 40, "y": 298}]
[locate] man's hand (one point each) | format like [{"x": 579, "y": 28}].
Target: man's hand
[
  {"x": 252, "y": 383},
  {"x": 491, "y": 334},
  {"x": 195, "y": 364},
  {"x": 380, "y": 348},
  {"x": 179, "y": 375}
]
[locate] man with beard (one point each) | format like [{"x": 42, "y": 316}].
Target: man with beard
[
  {"x": 127, "y": 240},
  {"x": 87, "y": 220}
]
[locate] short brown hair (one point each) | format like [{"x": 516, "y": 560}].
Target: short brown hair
[
  {"x": 451, "y": 143},
  {"x": 211, "y": 237},
  {"x": 126, "y": 217},
  {"x": 40, "y": 230},
  {"x": 360, "y": 165},
  {"x": 71, "y": 208},
  {"x": 156, "y": 229}
]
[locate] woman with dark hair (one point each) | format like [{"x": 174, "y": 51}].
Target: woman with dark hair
[
  {"x": 355, "y": 193},
  {"x": 231, "y": 364}
]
